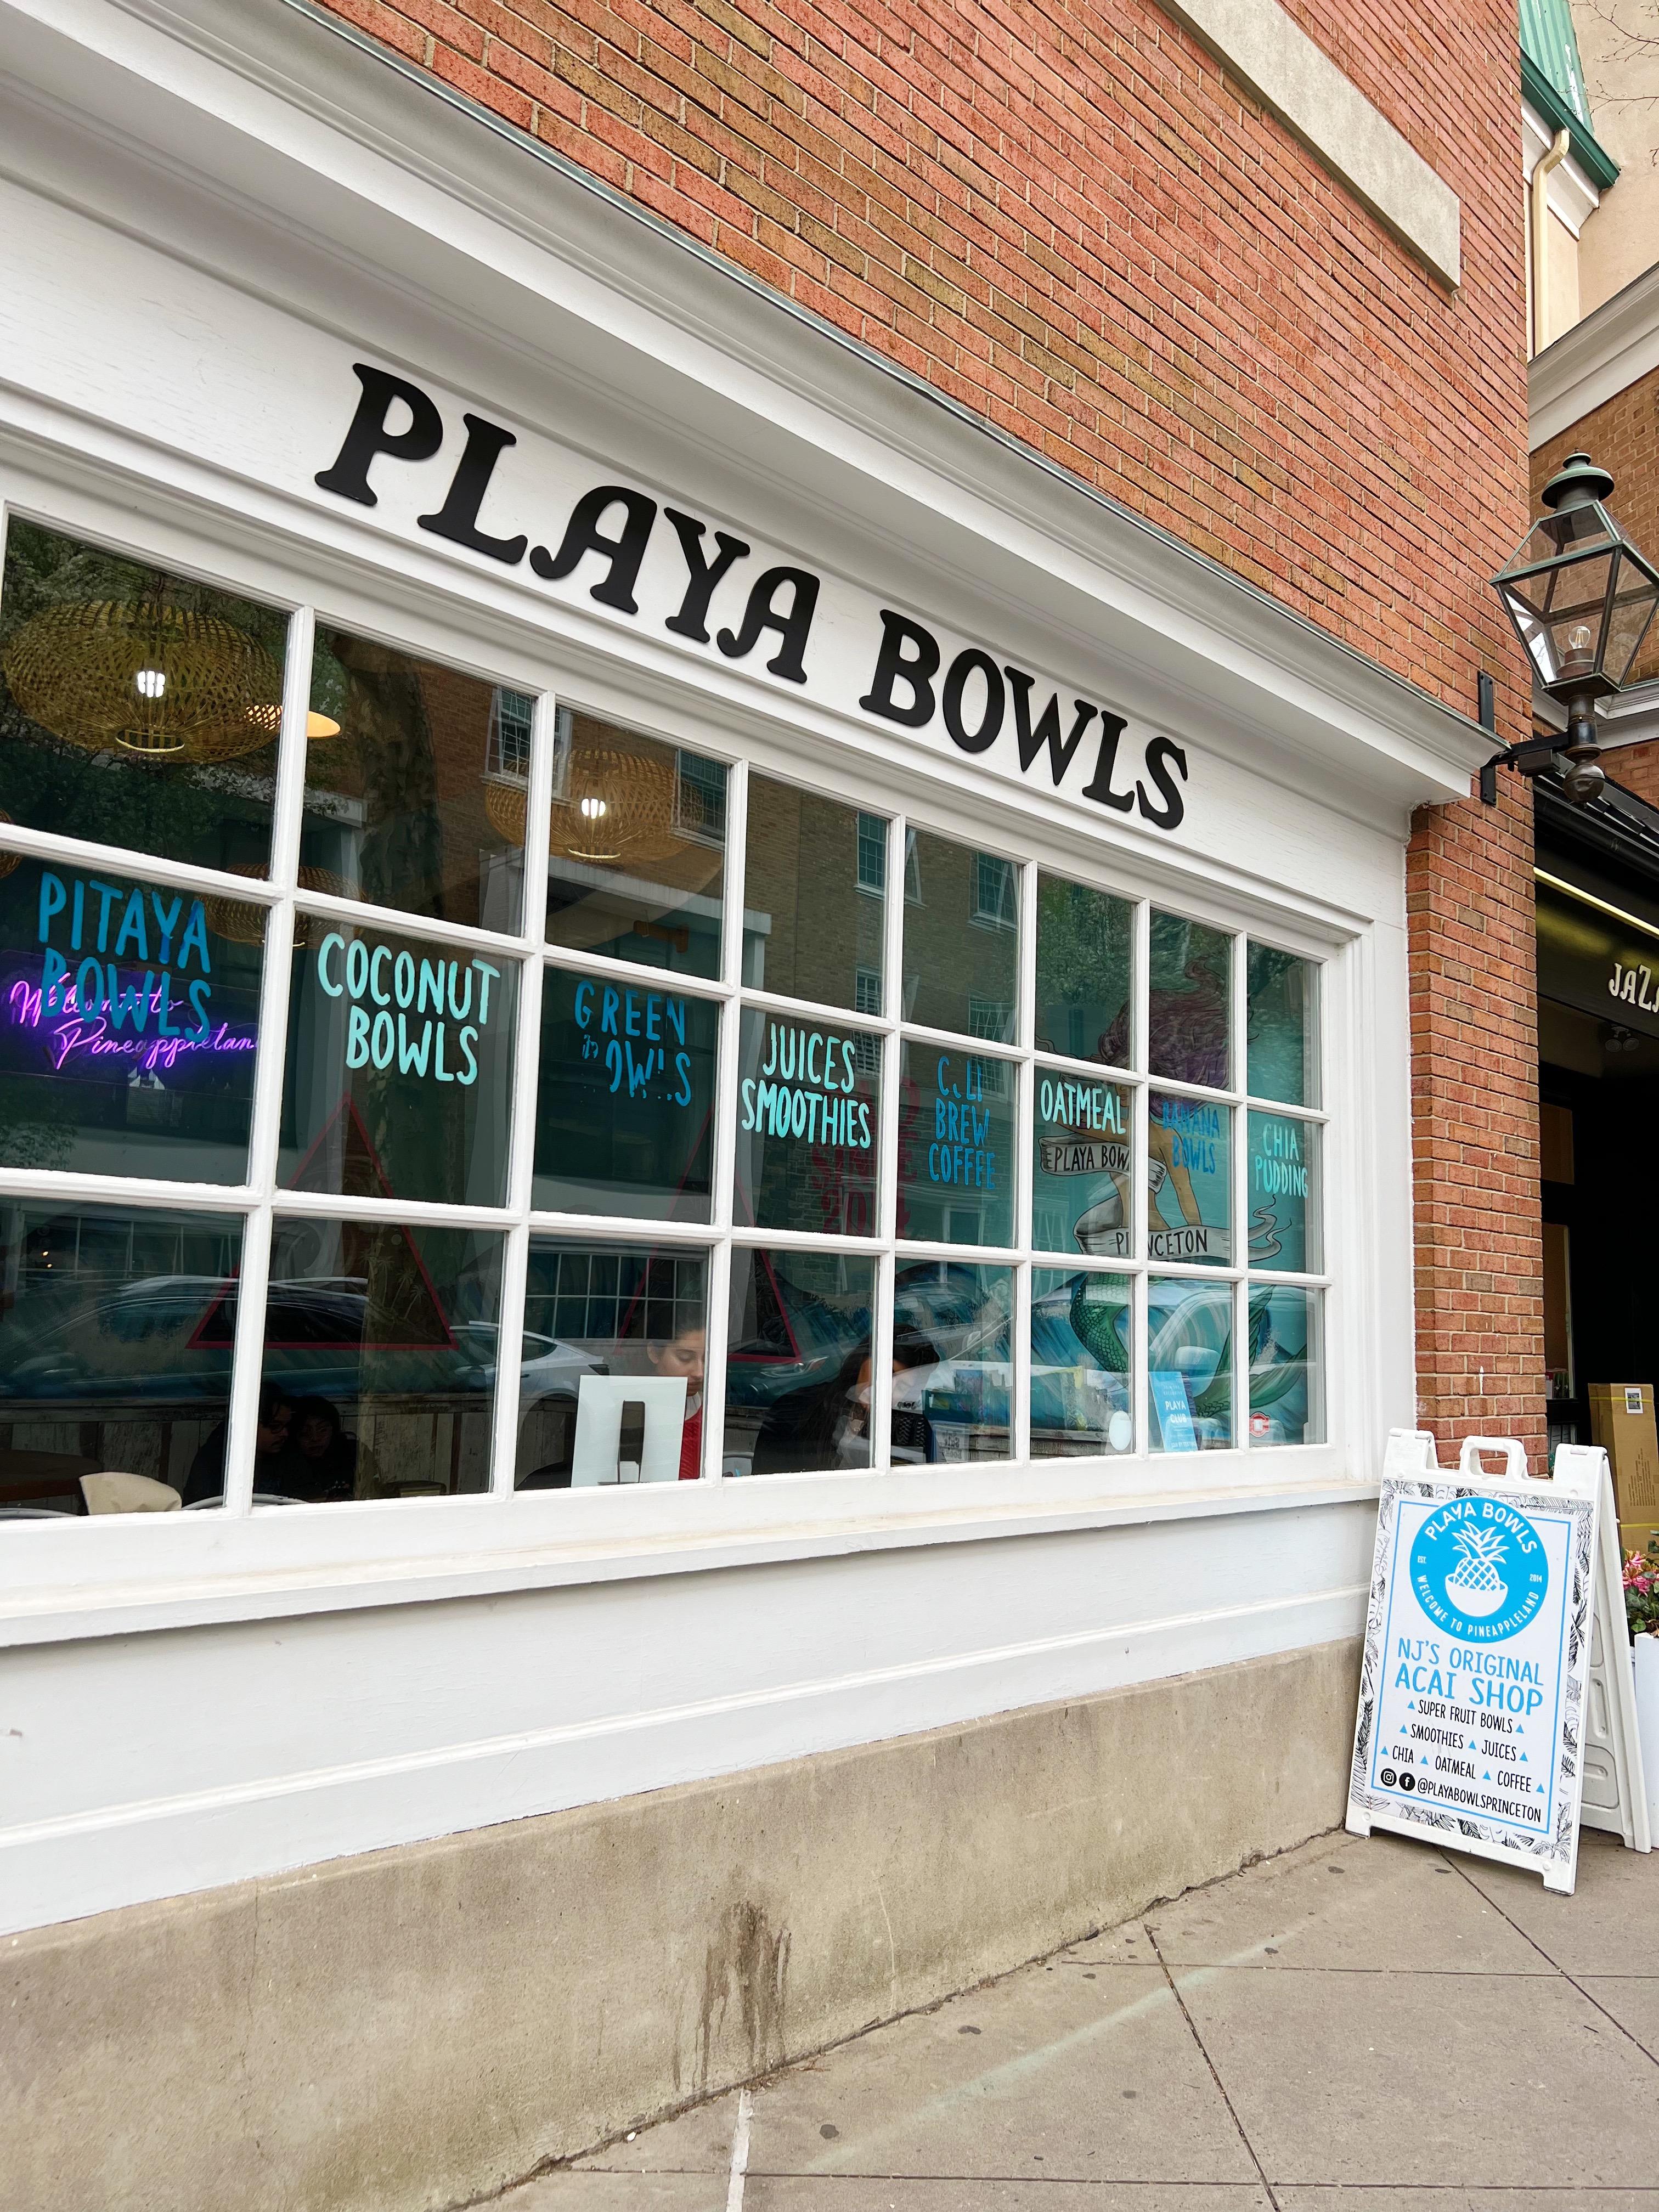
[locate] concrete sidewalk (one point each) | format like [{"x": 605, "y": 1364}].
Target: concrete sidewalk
[{"x": 1358, "y": 2024}]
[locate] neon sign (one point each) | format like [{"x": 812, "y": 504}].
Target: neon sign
[{"x": 91, "y": 1033}]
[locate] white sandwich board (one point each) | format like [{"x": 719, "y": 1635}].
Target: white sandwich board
[{"x": 1475, "y": 1723}]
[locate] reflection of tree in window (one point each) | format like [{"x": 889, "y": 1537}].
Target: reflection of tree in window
[
  {"x": 1187, "y": 1003},
  {"x": 385, "y": 757}
]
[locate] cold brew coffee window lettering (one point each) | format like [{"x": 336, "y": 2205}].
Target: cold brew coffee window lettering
[
  {"x": 611, "y": 1372},
  {"x": 138, "y": 709},
  {"x": 956, "y": 1145},
  {"x": 807, "y": 1124},
  {"x": 1188, "y": 1180},
  {"x": 636, "y": 847},
  {"x": 625, "y": 1105},
  {"x": 399, "y": 1072},
  {"x": 129, "y": 1024},
  {"x": 1082, "y": 1174}
]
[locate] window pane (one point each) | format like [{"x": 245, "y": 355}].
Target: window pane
[
  {"x": 1080, "y": 1402},
  {"x": 951, "y": 1353},
  {"x": 961, "y": 938},
  {"x": 399, "y": 1074},
  {"x": 1190, "y": 990},
  {"x": 129, "y": 1025},
  {"x": 611, "y": 1390},
  {"x": 808, "y": 1117},
  {"x": 137, "y": 708},
  {"x": 1081, "y": 1168},
  {"x": 115, "y": 1353},
  {"x": 636, "y": 863},
  {"x": 1283, "y": 1194},
  {"x": 1189, "y": 1361},
  {"x": 626, "y": 1100},
  {"x": 1085, "y": 973},
  {"x": 955, "y": 1146},
  {"x": 798, "y": 1341},
  {"x": 379, "y": 1368},
  {"x": 1189, "y": 1180},
  {"x": 1287, "y": 1366},
  {"x": 812, "y": 897},
  {"x": 1283, "y": 1024},
  {"x": 414, "y": 779}
]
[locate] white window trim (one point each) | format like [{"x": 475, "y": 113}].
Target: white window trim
[{"x": 122, "y": 1571}]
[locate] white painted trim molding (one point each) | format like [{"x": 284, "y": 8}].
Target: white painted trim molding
[
  {"x": 1572, "y": 198},
  {"x": 1280, "y": 64},
  {"x": 1595, "y": 360}
]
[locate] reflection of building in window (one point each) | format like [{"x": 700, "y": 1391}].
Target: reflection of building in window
[
  {"x": 867, "y": 1000},
  {"x": 101, "y": 1247},
  {"x": 511, "y": 715},
  {"x": 700, "y": 797},
  {"x": 873, "y": 862},
  {"x": 992, "y": 1018},
  {"x": 996, "y": 902},
  {"x": 912, "y": 871},
  {"x": 608, "y": 1296}
]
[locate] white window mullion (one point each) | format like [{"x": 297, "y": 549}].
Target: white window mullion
[
  {"x": 886, "y": 1268},
  {"x": 1019, "y": 1320},
  {"x": 724, "y": 1149},
  {"x": 1141, "y": 1198},
  {"x": 1238, "y": 1082},
  {"x": 247, "y": 1374}
]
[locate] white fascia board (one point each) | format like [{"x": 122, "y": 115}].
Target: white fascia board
[
  {"x": 288, "y": 115},
  {"x": 1271, "y": 53},
  {"x": 1572, "y": 197},
  {"x": 1595, "y": 360}
]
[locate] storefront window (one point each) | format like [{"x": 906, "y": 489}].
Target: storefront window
[
  {"x": 138, "y": 709},
  {"x": 814, "y": 879},
  {"x": 1189, "y": 1365},
  {"x": 637, "y": 851},
  {"x": 797, "y": 1362},
  {"x": 1287, "y": 1404},
  {"x": 842, "y": 1147},
  {"x": 1189, "y": 1180},
  {"x": 1084, "y": 973},
  {"x": 379, "y": 1366},
  {"x": 115, "y": 1357},
  {"x": 399, "y": 1067},
  {"x": 1082, "y": 1168},
  {"x": 415, "y": 782},
  {"x": 1188, "y": 1003},
  {"x": 1282, "y": 1020},
  {"x": 129, "y": 1024},
  {"x": 611, "y": 1384},
  {"x": 1081, "y": 1333},
  {"x": 625, "y": 1107}
]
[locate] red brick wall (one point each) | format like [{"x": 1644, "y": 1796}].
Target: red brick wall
[
  {"x": 1623, "y": 437},
  {"x": 1070, "y": 219},
  {"x": 1073, "y": 221},
  {"x": 1474, "y": 1121}
]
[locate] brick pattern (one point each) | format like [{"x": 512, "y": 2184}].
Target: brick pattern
[
  {"x": 1072, "y": 221},
  {"x": 1623, "y": 436},
  {"x": 1474, "y": 1121},
  {"x": 1637, "y": 767}
]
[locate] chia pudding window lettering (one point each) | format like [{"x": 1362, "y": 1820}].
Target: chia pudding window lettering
[
  {"x": 129, "y": 1024},
  {"x": 138, "y": 708},
  {"x": 637, "y": 851},
  {"x": 415, "y": 781},
  {"x": 1282, "y": 1192},
  {"x": 399, "y": 1072}
]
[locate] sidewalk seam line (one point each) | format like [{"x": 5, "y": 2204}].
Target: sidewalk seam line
[{"x": 1221, "y": 2088}]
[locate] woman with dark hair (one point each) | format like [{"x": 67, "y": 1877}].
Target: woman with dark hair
[
  {"x": 321, "y": 1464},
  {"x": 828, "y": 1427}
]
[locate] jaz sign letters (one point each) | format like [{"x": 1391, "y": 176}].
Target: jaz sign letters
[{"x": 622, "y": 546}]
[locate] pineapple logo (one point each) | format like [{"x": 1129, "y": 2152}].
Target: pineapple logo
[
  {"x": 1479, "y": 1588},
  {"x": 1479, "y": 1570}
]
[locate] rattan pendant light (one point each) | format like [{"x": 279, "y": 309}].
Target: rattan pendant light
[{"x": 617, "y": 811}]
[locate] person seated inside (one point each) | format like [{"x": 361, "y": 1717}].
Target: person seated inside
[
  {"x": 828, "y": 1425},
  {"x": 206, "y": 1483},
  {"x": 684, "y": 1355},
  {"x": 321, "y": 1465}
]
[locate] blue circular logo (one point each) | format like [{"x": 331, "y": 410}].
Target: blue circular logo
[{"x": 1479, "y": 1570}]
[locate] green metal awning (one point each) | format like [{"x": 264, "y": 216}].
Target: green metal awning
[{"x": 1552, "y": 81}]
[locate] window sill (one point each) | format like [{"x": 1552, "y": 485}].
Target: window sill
[{"x": 148, "y": 1573}]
